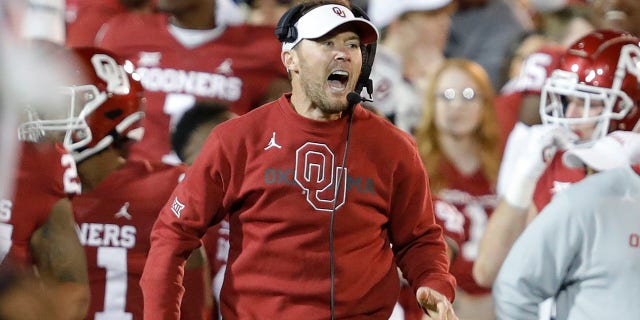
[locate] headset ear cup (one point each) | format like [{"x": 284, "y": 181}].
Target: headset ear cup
[
  {"x": 368, "y": 56},
  {"x": 285, "y": 29}
]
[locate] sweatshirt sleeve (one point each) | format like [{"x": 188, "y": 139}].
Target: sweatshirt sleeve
[
  {"x": 539, "y": 261},
  {"x": 417, "y": 240},
  {"x": 195, "y": 204}
]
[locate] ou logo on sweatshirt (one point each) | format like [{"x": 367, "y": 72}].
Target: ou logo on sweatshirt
[{"x": 316, "y": 173}]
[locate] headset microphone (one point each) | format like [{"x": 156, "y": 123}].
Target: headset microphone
[{"x": 353, "y": 98}]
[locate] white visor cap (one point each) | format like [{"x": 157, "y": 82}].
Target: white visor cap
[
  {"x": 617, "y": 149},
  {"x": 322, "y": 20}
]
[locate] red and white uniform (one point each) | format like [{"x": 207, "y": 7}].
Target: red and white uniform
[
  {"x": 475, "y": 198},
  {"x": 86, "y": 17},
  {"x": 555, "y": 178},
  {"x": 535, "y": 70},
  {"x": 275, "y": 182},
  {"x": 234, "y": 68},
  {"x": 46, "y": 174},
  {"x": 114, "y": 222}
]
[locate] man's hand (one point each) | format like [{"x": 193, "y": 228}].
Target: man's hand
[{"x": 436, "y": 305}]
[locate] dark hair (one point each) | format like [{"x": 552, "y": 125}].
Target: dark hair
[{"x": 200, "y": 113}]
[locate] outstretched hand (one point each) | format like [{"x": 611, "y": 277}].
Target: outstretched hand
[{"x": 436, "y": 305}]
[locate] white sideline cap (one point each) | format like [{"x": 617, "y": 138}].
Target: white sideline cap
[
  {"x": 383, "y": 12},
  {"x": 321, "y": 20},
  {"x": 617, "y": 149}
]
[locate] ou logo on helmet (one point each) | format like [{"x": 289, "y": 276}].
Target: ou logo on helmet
[{"x": 316, "y": 174}]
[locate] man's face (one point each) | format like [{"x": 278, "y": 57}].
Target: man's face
[
  {"x": 576, "y": 109},
  {"x": 329, "y": 68}
]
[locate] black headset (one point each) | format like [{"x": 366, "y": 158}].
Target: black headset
[{"x": 286, "y": 32}]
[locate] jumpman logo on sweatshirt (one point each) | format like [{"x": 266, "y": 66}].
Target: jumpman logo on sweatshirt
[{"x": 272, "y": 143}]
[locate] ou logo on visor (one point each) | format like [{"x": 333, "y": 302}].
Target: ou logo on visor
[
  {"x": 339, "y": 12},
  {"x": 314, "y": 172}
]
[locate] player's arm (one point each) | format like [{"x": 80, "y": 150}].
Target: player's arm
[
  {"x": 61, "y": 261},
  {"x": 521, "y": 171},
  {"x": 504, "y": 227}
]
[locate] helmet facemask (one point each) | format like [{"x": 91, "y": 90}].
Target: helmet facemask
[
  {"x": 63, "y": 119},
  {"x": 599, "y": 78},
  {"x": 600, "y": 106}
]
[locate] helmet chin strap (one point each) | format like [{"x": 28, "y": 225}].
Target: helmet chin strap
[
  {"x": 135, "y": 134},
  {"x": 79, "y": 156}
]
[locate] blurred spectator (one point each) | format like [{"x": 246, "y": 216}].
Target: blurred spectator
[
  {"x": 184, "y": 56},
  {"x": 267, "y": 12},
  {"x": 566, "y": 22},
  {"x": 459, "y": 144},
  {"x": 413, "y": 36},
  {"x": 476, "y": 34},
  {"x": 620, "y": 15}
]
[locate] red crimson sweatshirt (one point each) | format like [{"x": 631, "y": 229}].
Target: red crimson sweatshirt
[{"x": 273, "y": 172}]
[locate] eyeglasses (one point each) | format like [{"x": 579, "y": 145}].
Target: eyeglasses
[{"x": 450, "y": 94}]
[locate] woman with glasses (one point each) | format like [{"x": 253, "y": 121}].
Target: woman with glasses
[{"x": 458, "y": 139}]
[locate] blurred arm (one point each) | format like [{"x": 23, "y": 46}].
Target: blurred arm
[
  {"x": 61, "y": 261},
  {"x": 504, "y": 227}
]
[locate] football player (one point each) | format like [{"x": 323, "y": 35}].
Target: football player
[
  {"x": 185, "y": 55},
  {"x": 121, "y": 198},
  {"x": 593, "y": 92}
]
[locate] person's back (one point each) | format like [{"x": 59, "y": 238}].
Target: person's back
[{"x": 592, "y": 227}]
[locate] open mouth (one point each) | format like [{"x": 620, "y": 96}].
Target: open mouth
[{"x": 338, "y": 79}]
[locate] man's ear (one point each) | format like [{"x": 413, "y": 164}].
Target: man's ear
[{"x": 289, "y": 61}]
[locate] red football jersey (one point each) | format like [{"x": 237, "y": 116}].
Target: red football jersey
[
  {"x": 114, "y": 222},
  {"x": 474, "y": 196},
  {"x": 536, "y": 68},
  {"x": 46, "y": 174},
  {"x": 555, "y": 178},
  {"x": 234, "y": 68},
  {"x": 86, "y": 17}
]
